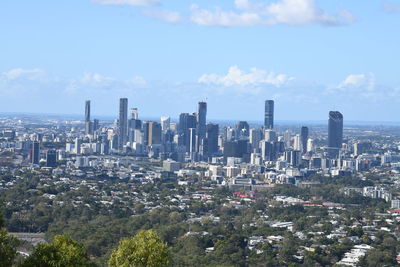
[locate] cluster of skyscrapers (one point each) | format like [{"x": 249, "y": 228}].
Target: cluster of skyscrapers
[{"x": 193, "y": 139}]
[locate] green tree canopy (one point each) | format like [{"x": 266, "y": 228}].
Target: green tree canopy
[
  {"x": 63, "y": 251},
  {"x": 145, "y": 249},
  {"x": 8, "y": 248}
]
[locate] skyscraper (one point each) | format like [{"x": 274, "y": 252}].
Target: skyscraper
[
  {"x": 335, "y": 133},
  {"x": 123, "y": 123},
  {"x": 35, "y": 152},
  {"x": 165, "y": 122},
  {"x": 212, "y": 139},
  {"x": 88, "y": 124},
  {"x": 269, "y": 114},
  {"x": 201, "y": 120},
  {"x": 154, "y": 136},
  {"x": 304, "y": 138},
  {"x": 51, "y": 158}
]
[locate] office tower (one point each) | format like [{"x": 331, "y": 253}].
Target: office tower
[
  {"x": 123, "y": 123},
  {"x": 310, "y": 145},
  {"x": 186, "y": 121},
  {"x": 146, "y": 126},
  {"x": 255, "y": 137},
  {"x": 154, "y": 133},
  {"x": 201, "y": 120},
  {"x": 269, "y": 114},
  {"x": 51, "y": 158},
  {"x": 287, "y": 138},
  {"x": 297, "y": 143},
  {"x": 88, "y": 123},
  {"x": 270, "y": 135},
  {"x": 242, "y": 129},
  {"x": 192, "y": 141},
  {"x": 212, "y": 133},
  {"x": 87, "y": 110},
  {"x": 133, "y": 125},
  {"x": 165, "y": 121},
  {"x": 77, "y": 146},
  {"x": 335, "y": 133},
  {"x": 293, "y": 157},
  {"x": 304, "y": 138},
  {"x": 35, "y": 152},
  {"x": 230, "y": 133},
  {"x": 267, "y": 151},
  {"x": 134, "y": 113},
  {"x": 96, "y": 125}
]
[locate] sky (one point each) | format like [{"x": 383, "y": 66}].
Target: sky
[{"x": 310, "y": 56}]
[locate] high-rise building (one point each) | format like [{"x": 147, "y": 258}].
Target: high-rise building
[
  {"x": 154, "y": 135},
  {"x": 123, "y": 123},
  {"x": 51, "y": 158},
  {"x": 35, "y": 152},
  {"x": 255, "y": 138},
  {"x": 297, "y": 144},
  {"x": 186, "y": 121},
  {"x": 270, "y": 135},
  {"x": 201, "y": 120},
  {"x": 88, "y": 123},
  {"x": 335, "y": 133},
  {"x": 212, "y": 133},
  {"x": 269, "y": 114},
  {"x": 304, "y": 138},
  {"x": 165, "y": 121},
  {"x": 96, "y": 125},
  {"x": 134, "y": 114},
  {"x": 242, "y": 128},
  {"x": 87, "y": 110}
]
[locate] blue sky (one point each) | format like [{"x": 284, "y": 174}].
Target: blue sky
[{"x": 310, "y": 56}]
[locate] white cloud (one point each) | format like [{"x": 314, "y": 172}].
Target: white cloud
[
  {"x": 353, "y": 80},
  {"x": 18, "y": 73},
  {"x": 164, "y": 15},
  {"x": 287, "y": 12},
  {"x": 358, "y": 81},
  {"x": 127, "y": 2},
  {"x": 237, "y": 77}
]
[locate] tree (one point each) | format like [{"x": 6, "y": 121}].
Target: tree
[
  {"x": 145, "y": 249},
  {"x": 8, "y": 248},
  {"x": 63, "y": 251}
]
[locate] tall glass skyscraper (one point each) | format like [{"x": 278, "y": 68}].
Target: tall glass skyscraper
[
  {"x": 201, "y": 120},
  {"x": 269, "y": 114},
  {"x": 335, "y": 133},
  {"x": 88, "y": 124},
  {"x": 123, "y": 123},
  {"x": 304, "y": 138}
]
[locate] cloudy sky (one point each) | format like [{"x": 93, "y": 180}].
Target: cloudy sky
[{"x": 310, "y": 56}]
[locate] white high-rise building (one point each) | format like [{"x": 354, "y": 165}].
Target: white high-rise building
[
  {"x": 165, "y": 123},
  {"x": 297, "y": 142},
  {"x": 310, "y": 145},
  {"x": 270, "y": 135}
]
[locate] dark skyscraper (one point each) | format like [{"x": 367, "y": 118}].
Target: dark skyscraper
[
  {"x": 123, "y": 123},
  {"x": 335, "y": 133},
  {"x": 304, "y": 138},
  {"x": 88, "y": 124},
  {"x": 269, "y": 114},
  {"x": 201, "y": 120},
  {"x": 35, "y": 152},
  {"x": 212, "y": 134},
  {"x": 51, "y": 158},
  {"x": 154, "y": 136},
  {"x": 186, "y": 121}
]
